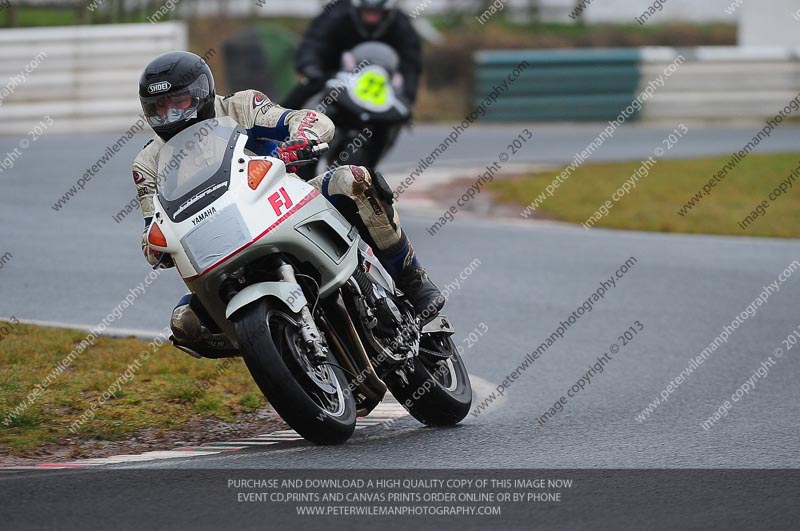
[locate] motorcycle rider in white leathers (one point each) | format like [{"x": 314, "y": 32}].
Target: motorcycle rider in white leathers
[{"x": 176, "y": 91}]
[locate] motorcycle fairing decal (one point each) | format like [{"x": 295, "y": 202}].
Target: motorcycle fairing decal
[
  {"x": 280, "y": 200},
  {"x": 199, "y": 196},
  {"x": 307, "y": 199},
  {"x": 205, "y": 215}
]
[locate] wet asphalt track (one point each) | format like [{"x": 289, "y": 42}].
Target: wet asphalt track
[{"x": 76, "y": 265}]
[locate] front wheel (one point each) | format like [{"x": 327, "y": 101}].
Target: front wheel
[
  {"x": 312, "y": 397},
  {"x": 438, "y": 392}
]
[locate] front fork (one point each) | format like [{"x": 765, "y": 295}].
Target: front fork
[{"x": 312, "y": 338}]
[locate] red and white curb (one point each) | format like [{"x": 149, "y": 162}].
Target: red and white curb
[{"x": 387, "y": 411}]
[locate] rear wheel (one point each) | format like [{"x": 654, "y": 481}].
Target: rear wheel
[
  {"x": 438, "y": 392},
  {"x": 312, "y": 397}
]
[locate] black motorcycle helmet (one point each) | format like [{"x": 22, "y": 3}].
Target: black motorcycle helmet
[
  {"x": 176, "y": 90},
  {"x": 373, "y": 17}
]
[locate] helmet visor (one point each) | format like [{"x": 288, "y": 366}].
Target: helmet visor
[{"x": 177, "y": 106}]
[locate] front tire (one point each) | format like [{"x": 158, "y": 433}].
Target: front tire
[
  {"x": 438, "y": 392},
  {"x": 314, "y": 399}
]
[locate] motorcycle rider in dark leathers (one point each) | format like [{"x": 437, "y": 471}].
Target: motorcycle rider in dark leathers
[
  {"x": 176, "y": 90},
  {"x": 343, "y": 25}
]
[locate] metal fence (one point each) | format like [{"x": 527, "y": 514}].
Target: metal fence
[{"x": 84, "y": 77}]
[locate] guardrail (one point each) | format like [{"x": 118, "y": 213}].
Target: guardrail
[
  {"x": 725, "y": 82},
  {"x": 84, "y": 77},
  {"x": 714, "y": 83},
  {"x": 592, "y": 84}
]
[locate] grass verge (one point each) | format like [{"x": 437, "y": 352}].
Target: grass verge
[
  {"x": 653, "y": 205},
  {"x": 167, "y": 391}
]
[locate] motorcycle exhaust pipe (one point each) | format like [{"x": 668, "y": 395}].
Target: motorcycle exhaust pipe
[
  {"x": 352, "y": 355},
  {"x": 371, "y": 398},
  {"x": 372, "y": 377}
]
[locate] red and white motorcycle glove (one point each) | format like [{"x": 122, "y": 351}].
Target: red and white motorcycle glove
[{"x": 297, "y": 150}]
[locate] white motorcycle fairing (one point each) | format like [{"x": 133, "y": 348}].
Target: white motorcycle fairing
[{"x": 226, "y": 221}]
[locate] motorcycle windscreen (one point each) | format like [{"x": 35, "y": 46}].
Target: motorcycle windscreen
[
  {"x": 372, "y": 53},
  {"x": 194, "y": 166}
]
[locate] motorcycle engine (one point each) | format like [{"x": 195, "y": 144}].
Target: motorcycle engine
[{"x": 389, "y": 317}]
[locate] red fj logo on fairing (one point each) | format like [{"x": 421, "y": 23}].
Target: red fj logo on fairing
[{"x": 280, "y": 200}]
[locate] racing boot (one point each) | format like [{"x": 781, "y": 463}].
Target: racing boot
[
  {"x": 412, "y": 279},
  {"x": 190, "y": 335}
]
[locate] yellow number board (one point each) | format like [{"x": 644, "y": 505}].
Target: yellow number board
[{"x": 373, "y": 88}]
